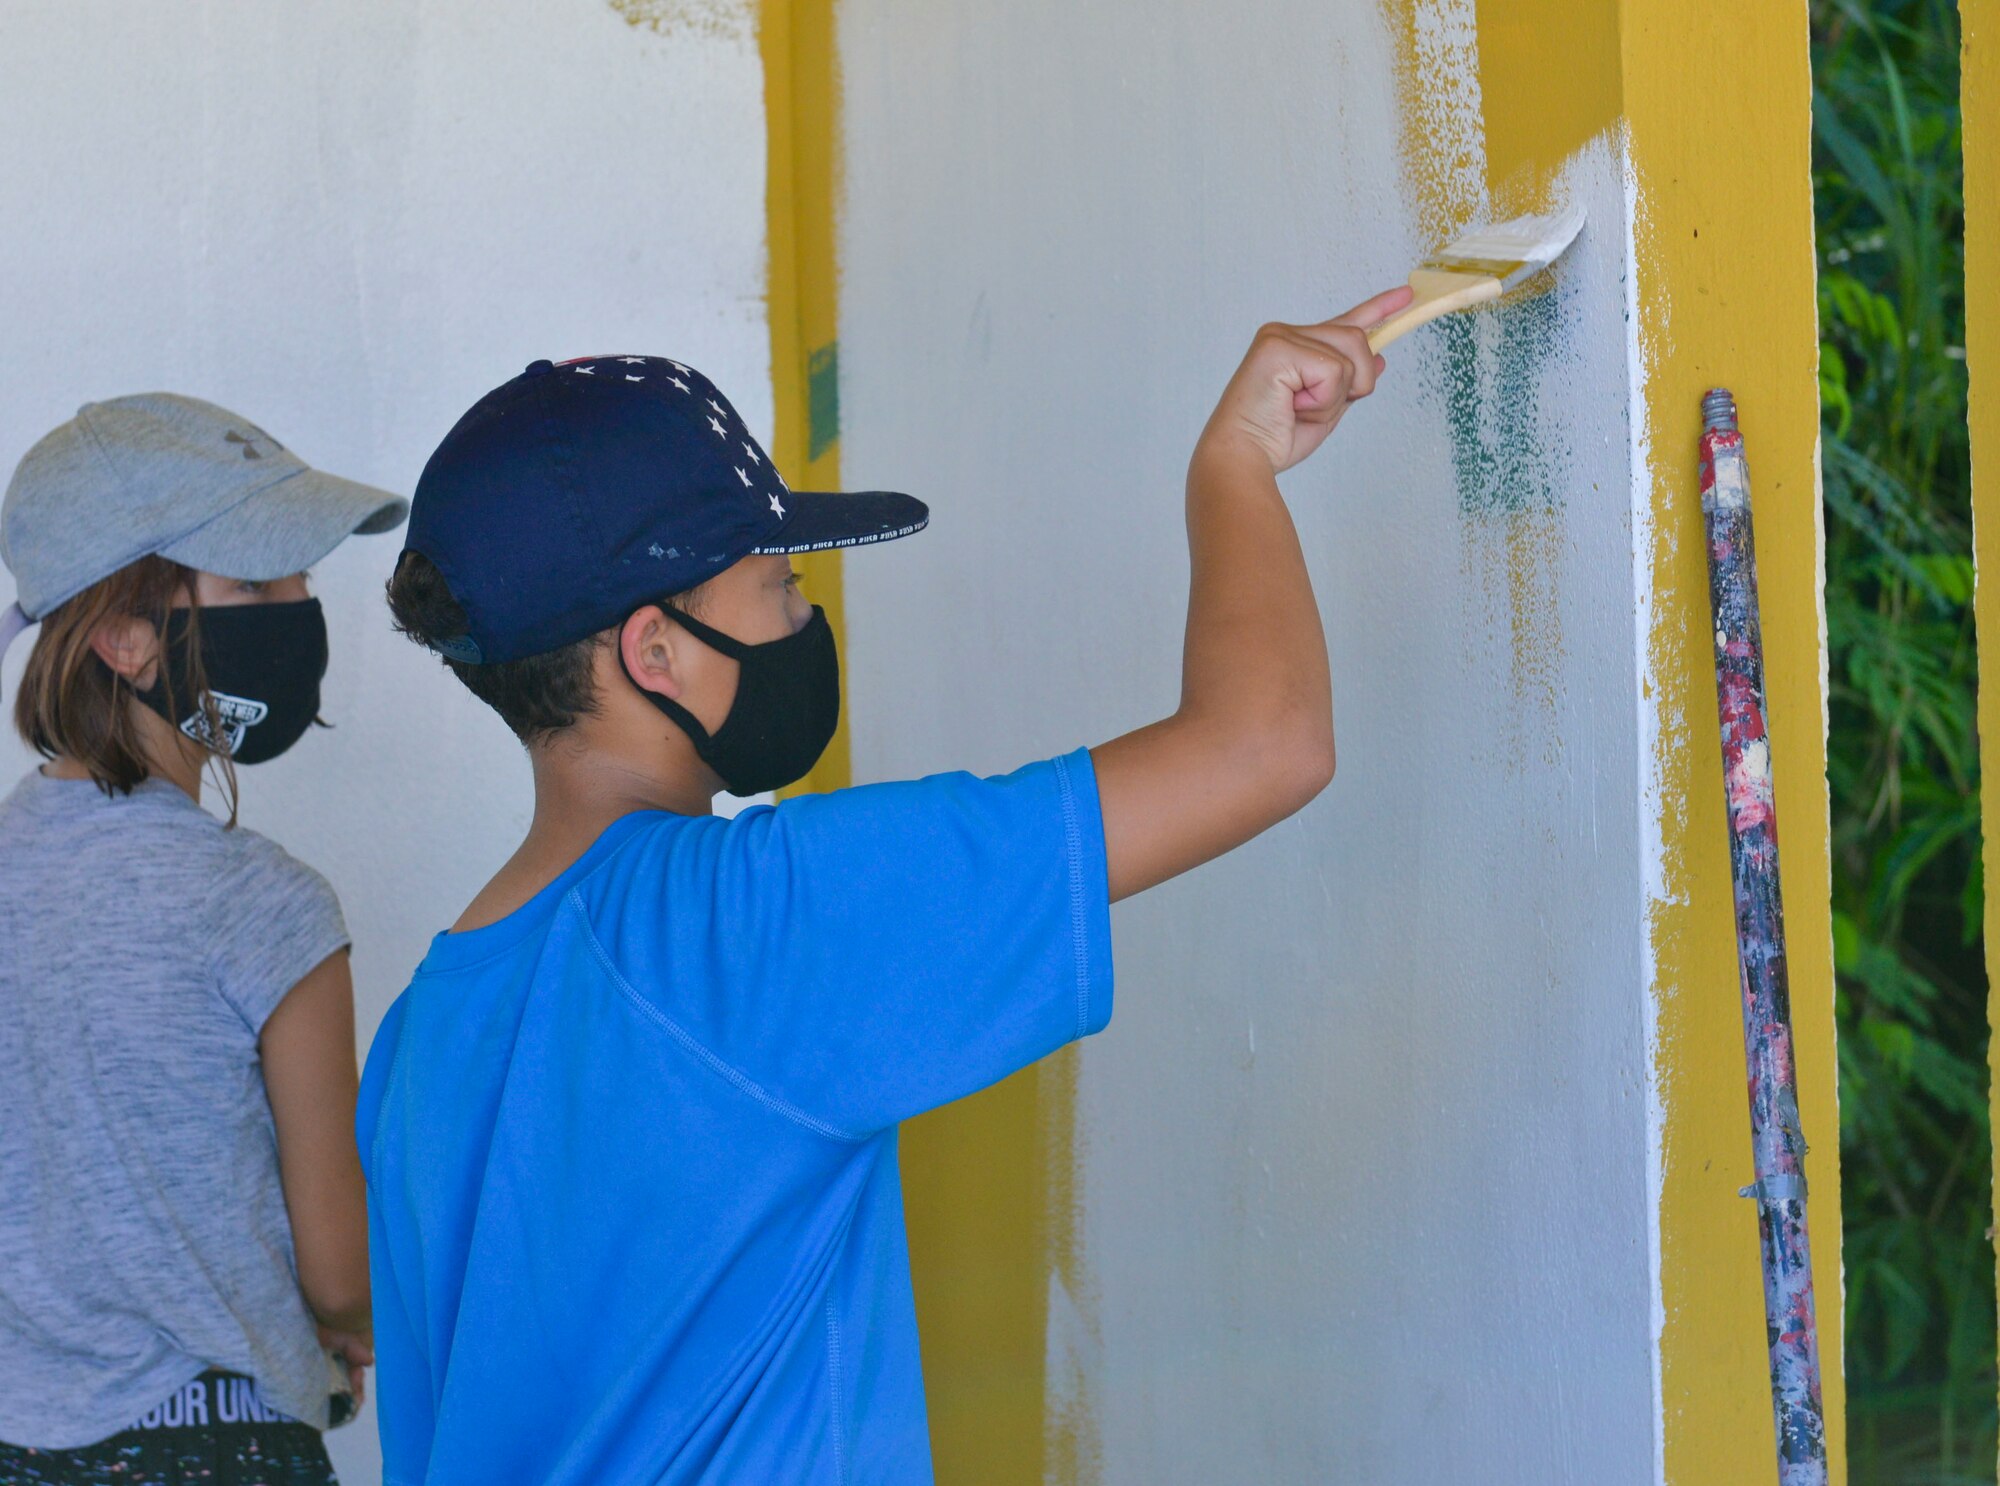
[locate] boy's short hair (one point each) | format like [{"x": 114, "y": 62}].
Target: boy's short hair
[{"x": 536, "y": 695}]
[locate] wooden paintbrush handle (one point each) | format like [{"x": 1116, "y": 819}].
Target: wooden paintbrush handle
[{"x": 1437, "y": 294}]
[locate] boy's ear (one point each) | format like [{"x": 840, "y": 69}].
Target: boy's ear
[
  {"x": 130, "y": 647},
  {"x": 646, "y": 644}
]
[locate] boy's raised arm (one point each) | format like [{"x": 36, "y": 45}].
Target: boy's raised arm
[{"x": 1252, "y": 739}]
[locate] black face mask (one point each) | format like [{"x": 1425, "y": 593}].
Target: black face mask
[
  {"x": 787, "y": 706},
  {"x": 263, "y": 663}
]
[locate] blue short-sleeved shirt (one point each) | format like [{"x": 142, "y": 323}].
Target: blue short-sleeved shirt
[{"x": 631, "y": 1151}]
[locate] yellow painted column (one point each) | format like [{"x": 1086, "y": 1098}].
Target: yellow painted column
[
  {"x": 985, "y": 1199},
  {"x": 801, "y": 193},
  {"x": 1717, "y": 100},
  {"x": 1979, "y": 108}
]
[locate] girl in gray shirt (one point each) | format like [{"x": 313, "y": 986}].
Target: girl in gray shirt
[{"x": 182, "y": 1237}]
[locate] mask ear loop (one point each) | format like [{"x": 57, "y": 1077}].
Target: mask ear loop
[
  {"x": 676, "y": 713},
  {"x": 715, "y": 639}
]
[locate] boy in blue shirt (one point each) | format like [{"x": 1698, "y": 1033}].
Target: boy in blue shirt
[{"x": 630, "y": 1133}]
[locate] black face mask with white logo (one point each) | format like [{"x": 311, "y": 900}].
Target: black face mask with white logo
[
  {"x": 787, "y": 706},
  {"x": 263, "y": 664}
]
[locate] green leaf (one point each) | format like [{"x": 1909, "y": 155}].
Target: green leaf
[{"x": 1846, "y": 943}]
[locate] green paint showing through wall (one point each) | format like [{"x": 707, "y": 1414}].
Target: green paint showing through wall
[
  {"x": 1504, "y": 377},
  {"x": 823, "y": 399},
  {"x": 1491, "y": 369}
]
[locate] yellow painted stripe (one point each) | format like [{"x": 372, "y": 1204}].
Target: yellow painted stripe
[
  {"x": 1726, "y": 297},
  {"x": 802, "y": 186},
  {"x": 986, "y": 1180},
  {"x": 1979, "y": 108},
  {"x": 1490, "y": 114},
  {"x": 1548, "y": 83}
]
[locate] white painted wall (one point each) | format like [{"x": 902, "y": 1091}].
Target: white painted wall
[
  {"x": 348, "y": 222},
  {"x": 1364, "y": 1185},
  {"x": 1395, "y": 1049}
]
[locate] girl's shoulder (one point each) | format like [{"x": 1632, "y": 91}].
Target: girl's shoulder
[
  {"x": 248, "y": 869},
  {"x": 270, "y": 919},
  {"x": 159, "y": 838}
]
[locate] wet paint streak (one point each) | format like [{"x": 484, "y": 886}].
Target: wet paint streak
[
  {"x": 1492, "y": 367},
  {"x": 1777, "y": 1140},
  {"x": 1504, "y": 380}
]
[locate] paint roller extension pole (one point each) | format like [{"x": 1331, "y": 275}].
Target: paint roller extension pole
[{"x": 1777, "y": 1142}]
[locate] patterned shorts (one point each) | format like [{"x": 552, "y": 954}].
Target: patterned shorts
[{"x": 214, "y": 1432}]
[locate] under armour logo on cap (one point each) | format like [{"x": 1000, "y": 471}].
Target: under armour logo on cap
[
  {"x": 161, "y": 473},
  {"x": 250, "y": 443}
]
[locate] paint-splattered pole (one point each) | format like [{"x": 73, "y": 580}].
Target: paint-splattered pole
[{"x": 1776, "y": 1140}]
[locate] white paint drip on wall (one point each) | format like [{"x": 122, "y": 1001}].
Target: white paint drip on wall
[
  {"x": 1655, "y": 893},
  {"x": 1409, "y": 1237},
  {"x": 348, "y": 224}
]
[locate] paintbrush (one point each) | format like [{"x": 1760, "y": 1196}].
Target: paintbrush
[{"x": 1479, "y": 267}]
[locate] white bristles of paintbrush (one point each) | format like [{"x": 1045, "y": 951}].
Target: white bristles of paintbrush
[
  {"x": 1480, "y": 266},
  {"x": 1516, "y": 249}
]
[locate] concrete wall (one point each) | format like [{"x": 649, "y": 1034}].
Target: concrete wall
[
  {"x": 1414, "y": 1153},
  {"x": 1364, "y": 1183},
  {"x": 347, "y": 223},
  {"x": 1411, "y": 1153}
]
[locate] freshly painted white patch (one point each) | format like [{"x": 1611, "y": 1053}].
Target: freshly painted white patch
[
  {"x": 348, "y": 223},
  {"x": 1407, "y": 1235}
]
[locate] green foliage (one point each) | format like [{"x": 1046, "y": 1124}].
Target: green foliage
[{"x": 1903, "y": 751}]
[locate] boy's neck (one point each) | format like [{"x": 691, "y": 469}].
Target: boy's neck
[
  {"x": 583, "y": 785},
  {"x": 581, "y": 790}
]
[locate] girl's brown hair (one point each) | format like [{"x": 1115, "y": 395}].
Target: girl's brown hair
[{"x": 72, "y": 705}]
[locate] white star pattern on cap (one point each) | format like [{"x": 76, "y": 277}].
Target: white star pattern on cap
[
  {"x": 776, "y": 506},
  {"x": 720, "y": 431},
  {"x": 630, "y": 378},
  {"x": 677, "y": 366},
  {"x": 751, "y": 450},
  {"x": 716, "y": 405},
  {"x": 678, "y": 383},
  {"x": 586, "y": 371},
  {"x": 741, "y": 476},
  {"x": 633, "y": 360}
]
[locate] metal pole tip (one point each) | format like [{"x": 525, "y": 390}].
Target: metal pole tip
[{"x": 1718, "y": 411}]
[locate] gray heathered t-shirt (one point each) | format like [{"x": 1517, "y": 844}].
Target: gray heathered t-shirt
[{"x": 143, "y": 1232}]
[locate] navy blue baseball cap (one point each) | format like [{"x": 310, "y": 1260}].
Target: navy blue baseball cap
[{"x": 578, "y": 492}]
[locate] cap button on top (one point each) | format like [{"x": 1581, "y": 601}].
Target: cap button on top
[{"x": 539, "y": 368}]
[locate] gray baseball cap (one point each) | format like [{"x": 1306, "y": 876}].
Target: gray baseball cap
[{"x": 161, "y": 473}]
